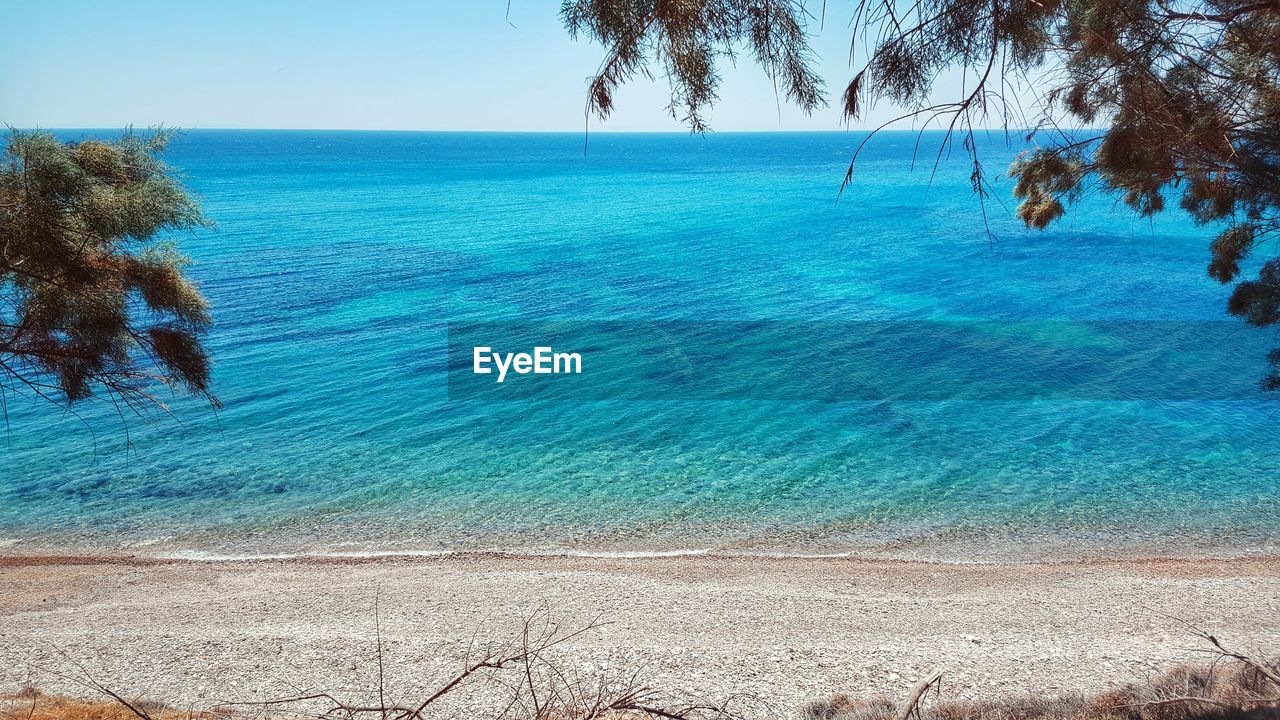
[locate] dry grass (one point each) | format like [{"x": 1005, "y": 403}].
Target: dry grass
[
  {"x": 31, "y": 704},
  {"x": 1233, "y": 686},
  {"x": 1221, "y": 691}
]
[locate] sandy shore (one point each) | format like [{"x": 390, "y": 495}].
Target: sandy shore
[{"x": 788, "y": 630}]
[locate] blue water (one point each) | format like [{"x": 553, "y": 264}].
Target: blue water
[{"x": 339, "y": 258}]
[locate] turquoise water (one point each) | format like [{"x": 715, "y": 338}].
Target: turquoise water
[{"x": 341, "y": 257}]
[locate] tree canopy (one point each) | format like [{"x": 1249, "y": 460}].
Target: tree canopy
[
  {"x": 91, "y": 299},
  {"x": 1152, "y": 100}
]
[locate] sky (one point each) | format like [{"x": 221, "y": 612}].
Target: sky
[{"x": 374, "y": 64}]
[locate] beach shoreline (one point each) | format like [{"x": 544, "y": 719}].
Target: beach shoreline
[
  {"x": 786, "y": 630},
  {"x": 956, "y": 544},
  {"x": 58, "y": 556}
]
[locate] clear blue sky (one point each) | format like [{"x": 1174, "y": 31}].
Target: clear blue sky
[{"x": 374, "y": 64}]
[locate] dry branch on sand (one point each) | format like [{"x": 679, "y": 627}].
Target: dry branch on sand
[{"x": 536, "y": 685}]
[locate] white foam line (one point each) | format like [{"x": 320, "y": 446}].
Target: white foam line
[
  {"x": 810, "y": 556},
  {"x": 634, "y": 554},
  {"x": 725, "y": 552},
  {"x": 203, "y": 556}
]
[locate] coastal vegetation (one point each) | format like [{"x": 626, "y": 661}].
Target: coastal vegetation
[
  {"x": 1182, "y": 692},
  {"x": 93, "y": 298},
  {"x": 1151, "y": 101},
  {"x": 535, "y": 684}
]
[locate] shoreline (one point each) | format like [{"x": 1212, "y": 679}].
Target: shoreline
[
  {"x": 788, "y": 629},
  {"x": 47, "y": 558},
  {"x": 956, "y": 545}
]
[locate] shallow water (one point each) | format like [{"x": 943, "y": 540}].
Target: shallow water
[{"x": 340, "y": 258}]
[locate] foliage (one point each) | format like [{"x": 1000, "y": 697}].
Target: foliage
[
  {"x": 89, "y": 298},
  {"x": 687, "y": 39},
  {"x": 1186, "y": 94}
]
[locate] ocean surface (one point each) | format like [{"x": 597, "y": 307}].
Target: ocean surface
[{"x": 341, "y": 258}]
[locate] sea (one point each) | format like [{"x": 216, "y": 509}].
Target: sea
[{"x": 341, "y": 260}]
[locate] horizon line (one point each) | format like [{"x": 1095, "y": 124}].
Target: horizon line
[{"x": 184, "y": 128}]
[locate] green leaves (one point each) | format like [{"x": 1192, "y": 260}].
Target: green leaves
[
  {"x": 1043, "y": 179},
  {"x": 1187, "y": 94},
  {"x": 686, "y": 41},
  {"x": 89, "y": 297},
  {"x": 1257, "y": 302},
  {"x": 1228, "y": 249}
]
